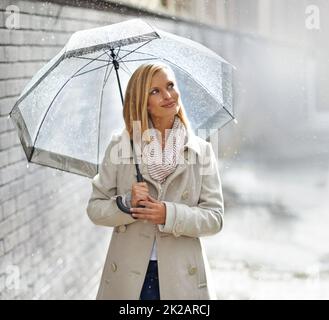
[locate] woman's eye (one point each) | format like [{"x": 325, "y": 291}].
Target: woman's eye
[
  {"x": 154, "y": 91},
  {"x": 171, "y": 85}
]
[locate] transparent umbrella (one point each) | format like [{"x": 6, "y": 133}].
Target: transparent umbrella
[{"x": 66, "y": 115}]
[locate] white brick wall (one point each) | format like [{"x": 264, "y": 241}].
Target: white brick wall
[{"x": 44, "y": 228}]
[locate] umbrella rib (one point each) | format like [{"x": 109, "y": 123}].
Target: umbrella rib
[
  {"x": 52, "y": 101},
  {"x": 100, "y": 111},
  {"x": 108, "y": 75},
  {"x": 117, "y": 54},
  {"x": 140, "y": 60},
  {"x": 123, "y": 66},
  {"x": 103, "y": 66},
  {"x": 144, "y": 53},
  {"x": 130, "y": 52},
  {"x": 95, "y": 59}
]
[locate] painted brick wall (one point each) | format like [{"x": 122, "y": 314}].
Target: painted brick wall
[{"x": 49, "y": 249}]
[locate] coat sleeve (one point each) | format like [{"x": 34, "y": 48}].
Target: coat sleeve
[
  {"x": 102, "y": 208},
  {"x": 204, "y": 219}
]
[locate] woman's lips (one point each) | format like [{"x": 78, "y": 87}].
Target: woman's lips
[{"x": 170, "y": 105}]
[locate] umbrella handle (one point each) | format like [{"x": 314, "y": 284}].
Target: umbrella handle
[
  {"x": 119, "y": 201},
  {"x": 121, "y": 206},
  {"x": 139, "y": 178}
]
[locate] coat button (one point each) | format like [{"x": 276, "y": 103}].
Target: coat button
[
  {"x": 122, "y": 228},
  {"x": 192, "y": 270},
  {"x": 107, "y": 281},
  {"x": 114, "y": 267},
  {"x": 185, "y": 195}
]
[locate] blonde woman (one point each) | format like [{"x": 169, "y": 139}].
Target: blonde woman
[{"x": 155, "y": 252}]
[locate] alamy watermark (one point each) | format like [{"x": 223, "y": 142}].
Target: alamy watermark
[
  {"x": 12, "y": 20},
  {"x": 12, "y": 280},
  {"x": 193, "y": 152},
  {"x": 312, "y": 20}
]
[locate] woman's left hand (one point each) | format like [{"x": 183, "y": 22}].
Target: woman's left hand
[{"x": 154, "y": 211}]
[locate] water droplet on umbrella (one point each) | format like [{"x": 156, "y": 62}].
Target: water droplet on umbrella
[{"x": 27, "y": 166}]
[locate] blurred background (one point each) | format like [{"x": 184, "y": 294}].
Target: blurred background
[{"x": 273, "y": 163}]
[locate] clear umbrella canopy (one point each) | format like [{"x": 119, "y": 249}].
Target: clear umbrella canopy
[{"x": 68, "y": 112}]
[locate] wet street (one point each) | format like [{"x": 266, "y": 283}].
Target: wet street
[{"x": 275, "y": 240}]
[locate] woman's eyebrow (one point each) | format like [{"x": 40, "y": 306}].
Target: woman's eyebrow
[{"x": 170, "y": 81}]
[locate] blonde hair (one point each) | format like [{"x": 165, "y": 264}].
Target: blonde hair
[{"x": 136, "y": 98}]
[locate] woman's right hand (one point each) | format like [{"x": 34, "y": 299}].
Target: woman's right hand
[{"x": 139, "y": 192}]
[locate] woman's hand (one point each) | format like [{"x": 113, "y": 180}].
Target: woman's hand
[
  {"x": 154, "y": 211},
  {"x": 139, "y": 192}
]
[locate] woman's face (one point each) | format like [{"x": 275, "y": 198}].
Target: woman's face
[{"x": 163, "y": 95}]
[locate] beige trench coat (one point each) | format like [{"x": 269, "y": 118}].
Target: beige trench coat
[{"x": 194, "y": 208}]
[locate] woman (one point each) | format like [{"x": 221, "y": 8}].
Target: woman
[{"x": 155, "y": 252}]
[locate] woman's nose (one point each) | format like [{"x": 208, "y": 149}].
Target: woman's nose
[{"x": 166, "y": 95}]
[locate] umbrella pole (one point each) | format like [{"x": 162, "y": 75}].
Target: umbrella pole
[
  {"x": 139, "y": 176},
  {"x": 116, "y": 68}
]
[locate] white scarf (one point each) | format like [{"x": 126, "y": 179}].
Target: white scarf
[{"x": 161, "y": 163}]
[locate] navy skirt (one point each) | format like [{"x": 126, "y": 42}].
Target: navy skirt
[{"x": 150, "y": 290}]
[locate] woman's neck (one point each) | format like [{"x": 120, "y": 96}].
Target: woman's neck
[{"x": 162, "y": 124}]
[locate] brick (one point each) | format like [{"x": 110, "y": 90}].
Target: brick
[
  {"x": 19, "y": 219},
  {"x": 8, "y": 139},
  {"x": 18, "y": 253},
  {"x": 5, "y": 192},
  {"x": 2, "y": 217},
  {"x": 11, "y": 53},
  {"x": 16, "y": 154},
  {"x": 4, "y": 158},
  {"x": 5, "y": 124},
  {"x": 23, "y": 233},
  {"x": 6, "y": 227},
  {"x": 9, "y": 207},
  {"x": 19, "y": 69},
  {"x": 29, "y": 37},
  {"x": 16, "y": 187},
  {"x": 22, "y": 200},
  {"x": 2, "y": 19},
  {"x": 36, "y": 225},
  {"x": 2, "y": 282},
  {"x": 11, "y": 172},
  {"x": 29, "y": 213},
  {"x": 12, "y": 87},
  {"x": 28, "y": 53},
  {"x": 6, "y": 104},
  {"x": 5, "y": 36},
  {"x": 2, "y": 249},
  {"x": 10, "y": 241}
]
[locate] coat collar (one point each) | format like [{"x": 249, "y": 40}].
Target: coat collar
[{"x": 191, "y": 143}]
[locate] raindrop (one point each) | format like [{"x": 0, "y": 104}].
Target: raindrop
[
  {"x": 27, "y": 166},
  {"x": 235, "y": 121}
]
